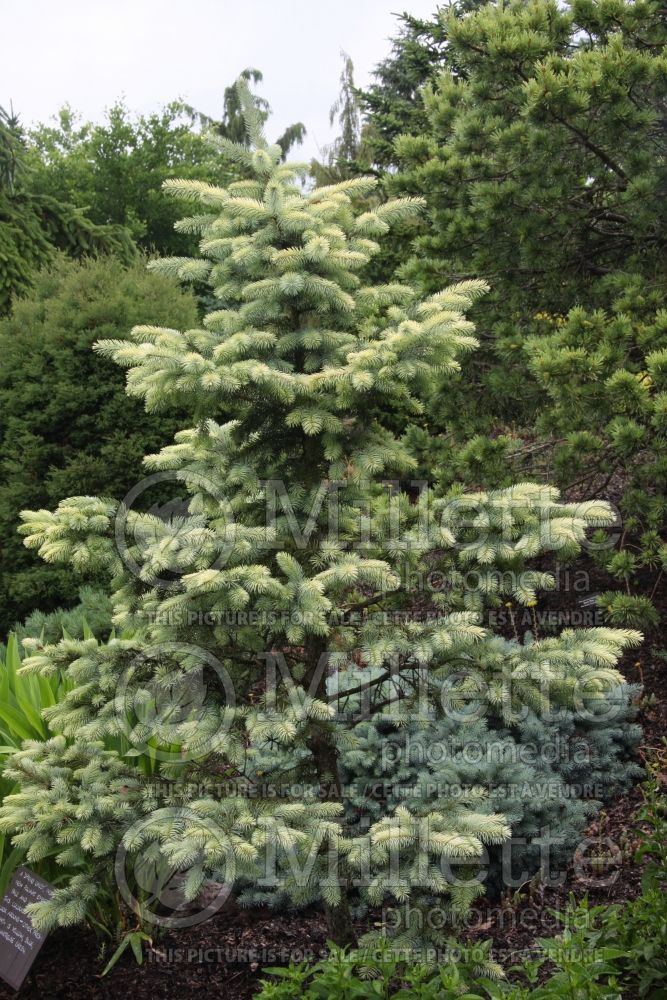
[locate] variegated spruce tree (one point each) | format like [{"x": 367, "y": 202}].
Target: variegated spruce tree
[{"x": 308, "y": 362}]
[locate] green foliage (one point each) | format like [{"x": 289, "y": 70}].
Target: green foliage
[
  {"x": 603, "y": 395},
  {"x": 363, "y": 974},
  {"x": 22, "y": 701},
  {"x": 628, "y": 609},
  {"x": 619, "y": 950},
  {"x": 392, "y": 105},
  {"x": 91, "y": 614},
  {"x": 541, "y": 164},
  {"x": 639, "y": 929},
  {"x": 539, "y": 148},
  {"x": 114, "y": 170},
  {"x": 27, "y": 701},
  {"x": 33, "y": 224},
  {"x": 64, "y": 417},
  {"x": 135, "y": 941},
  {"x": 584, "y": 965},
  {"x": 23, "y": 244}
]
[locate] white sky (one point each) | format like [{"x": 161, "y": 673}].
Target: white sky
[{"x": 90, "y": 52}]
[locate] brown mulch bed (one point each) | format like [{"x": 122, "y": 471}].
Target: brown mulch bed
[{"x": 222, "y": 957}]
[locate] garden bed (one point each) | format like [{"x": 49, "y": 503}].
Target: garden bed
[{"x": 224, "y": 956}]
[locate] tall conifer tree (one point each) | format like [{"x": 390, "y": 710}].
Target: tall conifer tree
[{"x": 301, "y": 354}]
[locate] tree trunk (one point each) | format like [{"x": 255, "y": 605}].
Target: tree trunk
[
  {"x": 339, "y": 924},
  {"x": 325, "y": 760}
]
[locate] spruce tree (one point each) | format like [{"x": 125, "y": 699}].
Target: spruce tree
[{"x": 330, "y": 586}]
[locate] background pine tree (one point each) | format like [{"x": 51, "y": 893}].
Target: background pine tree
[{"x": 537, "y": 140}]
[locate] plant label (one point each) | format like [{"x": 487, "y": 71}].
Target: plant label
[{"x": 19, "y": 941}]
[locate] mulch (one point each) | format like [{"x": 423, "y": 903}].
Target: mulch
[{"x": 222, "y": 957}]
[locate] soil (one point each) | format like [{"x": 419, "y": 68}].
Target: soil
[
  {"x": 220, "y": 958},
  {"x": 224, "y": 956}
]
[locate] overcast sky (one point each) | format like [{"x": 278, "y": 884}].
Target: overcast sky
[{"x": 90, "y": 52}]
